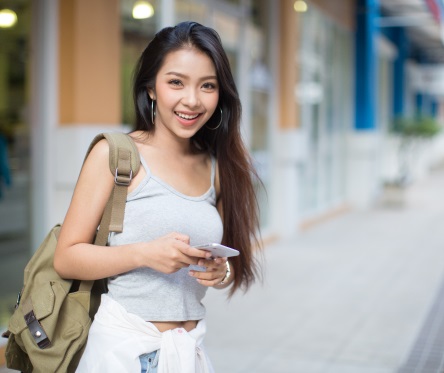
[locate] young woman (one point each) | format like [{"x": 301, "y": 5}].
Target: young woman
[{"x": 195, "y": 186}]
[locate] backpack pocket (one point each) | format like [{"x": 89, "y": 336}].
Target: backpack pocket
[{"x": 64, "y": 319}]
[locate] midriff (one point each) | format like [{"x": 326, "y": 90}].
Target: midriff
[{"x": 169, "y": 325}]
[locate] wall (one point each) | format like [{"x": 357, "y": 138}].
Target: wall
[
  {"x": 89, "y": 62},
  {"x": 343, "y": 11}
]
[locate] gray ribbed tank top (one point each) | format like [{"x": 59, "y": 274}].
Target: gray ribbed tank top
[{"x": 154, "y": 209}]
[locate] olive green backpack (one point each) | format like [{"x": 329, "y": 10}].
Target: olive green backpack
[{"x": 49, "y": 327}]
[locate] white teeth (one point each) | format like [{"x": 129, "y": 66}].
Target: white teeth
[{"x": 184, "y": 116}]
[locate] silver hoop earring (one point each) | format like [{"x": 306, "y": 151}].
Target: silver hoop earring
[
  {"x": 220, "y": 122},
  {"x": 153, "y": 114}
]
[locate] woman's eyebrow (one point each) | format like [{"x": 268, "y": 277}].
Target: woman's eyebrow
[{"x": 180, "y": 75}]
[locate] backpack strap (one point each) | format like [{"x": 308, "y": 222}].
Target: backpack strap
[
  {"x": 124, "y": 164},
  {"x": 119, "y": 143}
]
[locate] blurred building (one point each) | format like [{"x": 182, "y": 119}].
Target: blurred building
[{"x": 322, "y": 83}]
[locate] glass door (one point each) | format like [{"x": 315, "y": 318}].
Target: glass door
[{"x": 325, "y": 98}]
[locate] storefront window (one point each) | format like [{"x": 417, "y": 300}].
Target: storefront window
[
  {"x": 14, "y": 156},
  {"x": 325, "y": 64}
]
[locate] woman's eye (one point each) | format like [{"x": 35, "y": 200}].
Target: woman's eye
[
  {"x": 209, "y": 86},
  {"x": 175, "y": 82}
]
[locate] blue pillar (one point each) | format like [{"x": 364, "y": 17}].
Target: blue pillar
[
  {"x": 399, "y": 38},
  {"x": 434, "y": 109},
  {"x": 419, "y": 103},
  {"x": 366, "y": 64}
]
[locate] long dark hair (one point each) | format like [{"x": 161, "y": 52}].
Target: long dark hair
[{"x": 237, "y": 174}]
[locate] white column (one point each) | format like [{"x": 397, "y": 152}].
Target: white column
[
  {"x": 291, "y": 150},
  {"x": 43, "y": 113},
  {"x": 167, "y": 13}
]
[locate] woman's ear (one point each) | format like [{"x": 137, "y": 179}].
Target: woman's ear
[{"x": 151, "y": 93}]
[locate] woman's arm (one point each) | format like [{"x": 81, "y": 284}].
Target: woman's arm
[{"x": 76, "y": 257}]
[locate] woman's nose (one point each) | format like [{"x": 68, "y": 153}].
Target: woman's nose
[{"x": 191, "y": 98}]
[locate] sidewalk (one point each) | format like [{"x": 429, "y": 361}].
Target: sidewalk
[{"x": 348, "y": 296}]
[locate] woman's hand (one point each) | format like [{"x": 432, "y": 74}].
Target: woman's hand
[
  {"x": 172, "y": 252},
  {"x": 215, "y": 273}
]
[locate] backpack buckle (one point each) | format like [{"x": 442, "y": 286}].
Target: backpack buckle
[
  {"x": 37, "y": 331},
  {"x": 123, "y": 180}
]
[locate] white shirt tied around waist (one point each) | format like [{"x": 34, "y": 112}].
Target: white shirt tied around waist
[{"x": 117, "y": 339}]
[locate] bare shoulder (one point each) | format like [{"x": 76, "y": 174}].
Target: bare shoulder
[
  {"x": 100, "y": 150},
  {"x": 98, "y": 157},
  {"x": 91, "y": 193},
  {"x": 95, "y": 169}
]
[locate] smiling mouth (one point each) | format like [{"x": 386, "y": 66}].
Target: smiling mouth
[{"x": 185, "y": 116}]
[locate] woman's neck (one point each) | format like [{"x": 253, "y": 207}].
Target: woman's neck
[{"x": 171, "y": 144}]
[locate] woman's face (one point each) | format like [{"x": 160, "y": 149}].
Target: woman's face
[{"x": 186, "y": 92}]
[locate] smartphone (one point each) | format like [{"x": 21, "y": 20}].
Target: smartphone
[{"x": 218, "y": 251}]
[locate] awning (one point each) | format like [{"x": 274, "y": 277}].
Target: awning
[{"x": 423, "y": 20}]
